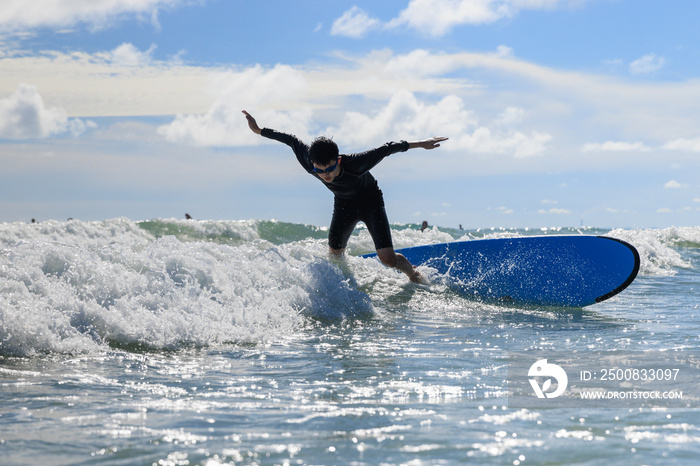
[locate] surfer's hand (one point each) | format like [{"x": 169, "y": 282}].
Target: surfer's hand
[
  {"x": 252, "y": 123},
  {"x": 430, "y": 143}
]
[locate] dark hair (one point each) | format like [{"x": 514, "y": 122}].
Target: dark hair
[{"x": 323, "y": 151}]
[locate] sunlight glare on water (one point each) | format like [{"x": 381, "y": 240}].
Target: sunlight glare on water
[{"x": 241, "y": 343}]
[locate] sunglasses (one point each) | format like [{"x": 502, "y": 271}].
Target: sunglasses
[{"x": 329, "y": 169}]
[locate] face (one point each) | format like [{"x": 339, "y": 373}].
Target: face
[{"x": 329, "y": 172}]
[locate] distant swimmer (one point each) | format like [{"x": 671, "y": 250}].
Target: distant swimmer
[
  {"x": 188, "y": 216},
  {"x": 357, "y": 194},
  {"x": 424, "y": 226}
]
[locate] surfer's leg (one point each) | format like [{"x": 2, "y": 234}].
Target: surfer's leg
[
  {"x": 336, "y": 253},
  {"x": 397, "y": 261},
  {"x": 374, "y": 216},
  {"x": 343, "y": 223}
]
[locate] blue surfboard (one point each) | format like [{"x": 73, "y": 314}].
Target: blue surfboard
[{"x": 565, "y": 271}]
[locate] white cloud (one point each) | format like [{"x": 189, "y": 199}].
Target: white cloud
[
  {"x": 690, "y": 145},
  {"x": 224, "y": 125},
  {"x": 673, "y": 184},
  {"x": 555, "y": 211},
  {"x": 128, "y": 55},
  {"x": 120, "y": 82},
  {"x": 511, "y": 116},
  {"x": 419, "y": 63},
  {"x": 616, "y": 146},
  {"x": 354, "y": 23},
  {"x": 504, "y": 51},
  {"x": 485, "y": 141},
  {"x": 23, "y": 115},
  {"x": 250, "y": 89},
  {"x": 647, "y": 64},
  {"x": 438, "y": 17},
  {"x": 407, "y": 117},
  {"x": 18, "y": 15},
  {"x": 515, "y": 108},
  {"x": 284, "y": 97},
  {"x": 553, "y": 101}
]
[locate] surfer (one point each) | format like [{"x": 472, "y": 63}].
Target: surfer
[{"x": 357, "y": 195}]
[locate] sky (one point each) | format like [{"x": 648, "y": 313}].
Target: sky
[{"x": 560, "y": 113}]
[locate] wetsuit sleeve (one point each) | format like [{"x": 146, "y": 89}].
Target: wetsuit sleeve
[
  {"x": 300, "y": 149},
  {"x": 365, "y": 161}
]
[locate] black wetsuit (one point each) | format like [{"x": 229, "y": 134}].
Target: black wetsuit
[{"x": 357, "y": 195}]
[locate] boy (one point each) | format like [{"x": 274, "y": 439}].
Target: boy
[{"x": 357, "y": 195}]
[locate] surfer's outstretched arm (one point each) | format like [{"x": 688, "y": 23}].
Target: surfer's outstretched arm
[{"x": 430, "y": 143}]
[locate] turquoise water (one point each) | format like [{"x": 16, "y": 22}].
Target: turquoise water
[{"x": 239, "y": 342}]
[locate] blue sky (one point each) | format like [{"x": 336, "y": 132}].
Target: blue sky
[{"x": 559, "y": 112}]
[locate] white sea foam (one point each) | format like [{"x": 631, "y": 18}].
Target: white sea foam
[
  {"x": 81, "y": 287},
  {"x": 86, "y": 234},
  {"x": 658, "y": 248},
  {"x": 76, "y": 287}
]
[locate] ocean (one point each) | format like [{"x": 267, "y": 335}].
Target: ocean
[{"x": 183, "y": 342}]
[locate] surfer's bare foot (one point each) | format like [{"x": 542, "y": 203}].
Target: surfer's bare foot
[
  {"x": 397, "y": 261},
  {"x": 416, "y": 277}
]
